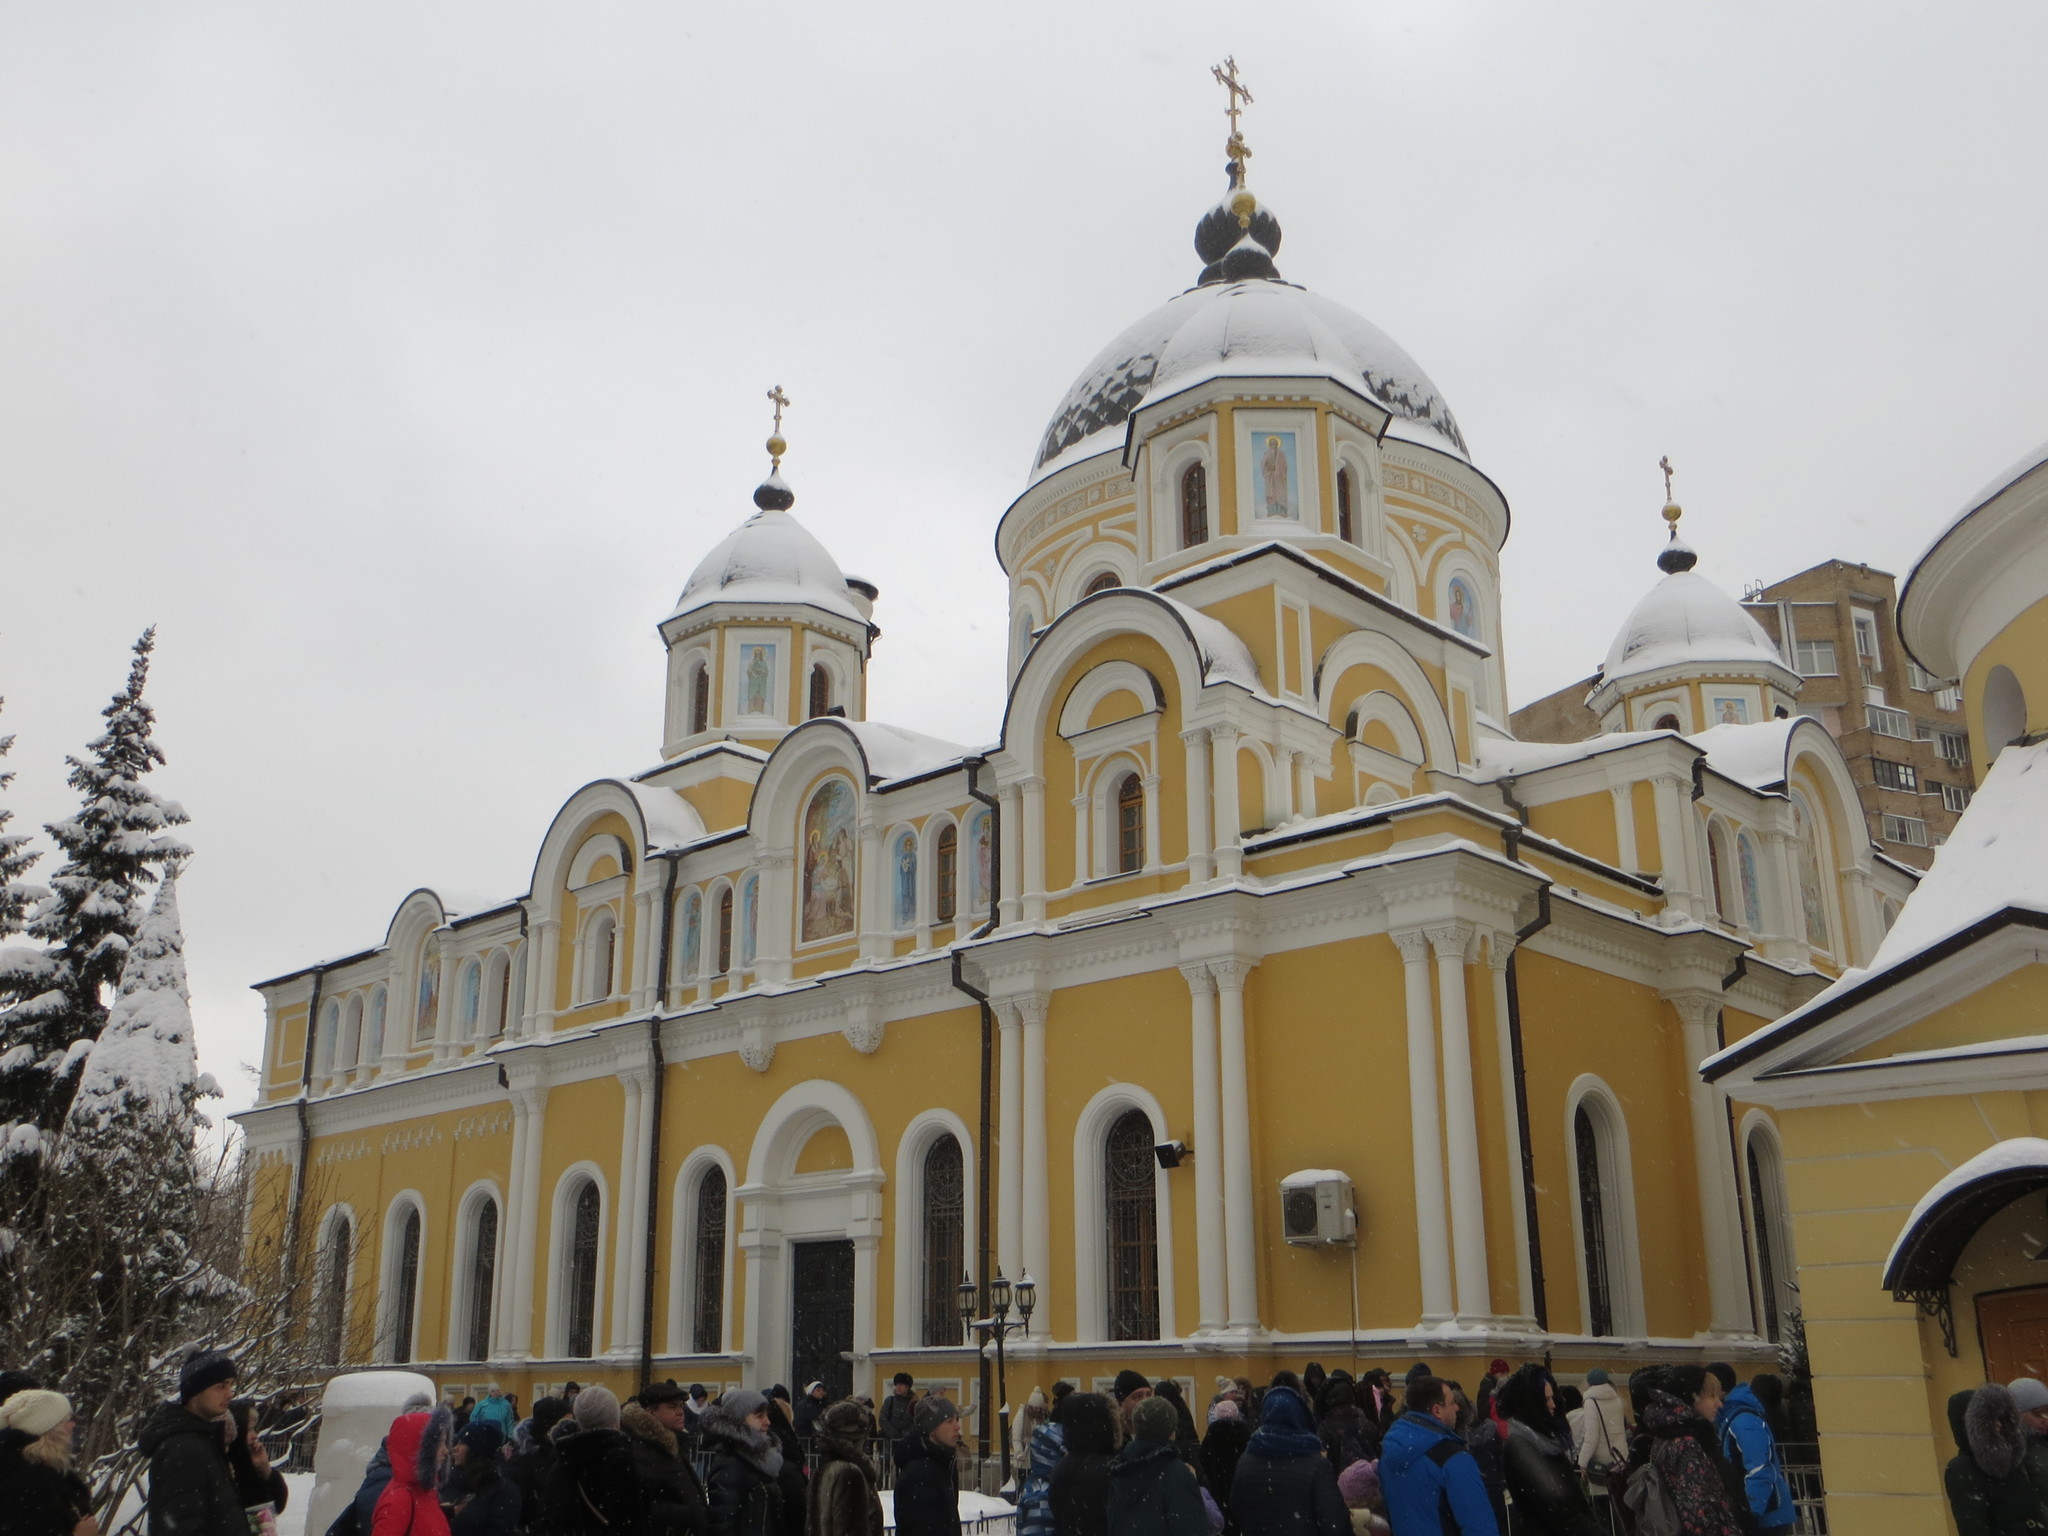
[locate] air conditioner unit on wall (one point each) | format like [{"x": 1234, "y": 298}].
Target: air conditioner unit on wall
[{"x": 1316, "y": 1208}]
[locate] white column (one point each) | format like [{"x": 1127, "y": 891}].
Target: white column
[
  {"x": 1461, "y": 1123},
  {"x": 1009, "y": 906},
  {"x": 1010, "y": 1143},
  {"x": 1033, "y": 835},
  {"x": 529, "y": 1108},
  {"x": 543, "y": 982},
  {"x": 1432, "y": 1237},
  {"x": 514, "y": 1239},
  {"x": 1209, "y": 1237},
  {"x": 1223, "y": 798},
  {"x": 775, "y": 936},
  {"x": 1241, "y": 1254},
  {"x": 1624, "y": 796},
  {"x": 1500, "y": 947},
  {"x": 1150, "y": 785},
  {"x": 1037, "y": 1234},
  {"x": 1304, "y": 787},
  {"x": 874, "y": 883},
  {"x": 450, "y": 1009},
  {"x": 1084, "y": 863},
  {"x": 634, "y": 1217},
  {"x": 625, "y": 1193},
  {"x": 646, "y": 943},
  {"x": 1200, "y": 813},
  {"x": 1714, "y": 1167},
  {"x": 1674, "y": 848}
]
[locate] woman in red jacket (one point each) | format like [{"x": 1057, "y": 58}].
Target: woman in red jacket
[{"x": 410, "y": 1506}]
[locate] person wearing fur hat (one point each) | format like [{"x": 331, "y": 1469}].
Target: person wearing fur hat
[
  {"x": 1989, "y": 1491},
  {"x": 191, "y": 1486},
  {"x": 743, "y": 1481},
  {"x": 654, "y": 1423},
  {"x": 38, "y": 1489},
  {"x": 482, "y": 1500},
  {"x": 593, "y": 1490},
  {"x": 927, "y": 1483},
  {"x": 843, "y": 1499},
  {"x": 1152, "y": 1490},
  {"x": 898, "y": 1407},
  {"x": 410, "y": 1504}
]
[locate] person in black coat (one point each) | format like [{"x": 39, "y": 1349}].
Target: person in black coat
[
  {"x": 1221, "y": 1448},
  {"x": 1542, "y": 1477},
  {"x": 927, "y": 1476},
  {"x": 191, "y": 1486},
  {"x": 40, "y": 1493},
  {"x": 743, "y": 1482},
  {"x": 1346, "y": 1431},
  {"x": 256, "y": 1480},
  {"x": 782, "y": 1425},
  {"x": 592, "y": 1490},
  {"x": 479, "y": 1498},
  {"x": 654, "y": 1423},
  {"x": 1284, "y": 1484},
  {"x": 1079, "y": 1495}
]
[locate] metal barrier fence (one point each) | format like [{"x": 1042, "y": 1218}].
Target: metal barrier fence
[{"x": 291, "y": 1449}]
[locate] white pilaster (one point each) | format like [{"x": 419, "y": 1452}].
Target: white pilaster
[
  {"x": 626, "y": 1200},
  {"x": 1223, "y": 797},
  {"x": 1037, "y": 1224},
  {"x": 1241, "y": 1253},
  {"x": 1624, "y": 796},
  {"x": 1500, "y": 947},
  {"x": 1010, "y": 1143},
  {"x": 775, "y": 936},
  {"x": 646, "y": 942},
  {"x": 1461, "y": 1123},
  {"x": 1674, "y": 847},
  {"x": 1209, "y": 1234},
  {"x": 1008, "y": 904},
  {"x": 542, "y": 991},
  {"x": 1150, "y": 785},
  {"x": 449, "y": 1008},
  {"x": 875, "y": 884},
  {"x": 1432, "y": 1235},
  {"x": 529, "y": 1129},
  {"x": 1033, "y": 835},
  {"x": 1714, "y": 1166},
  {"x": 1200, "y": 815}
]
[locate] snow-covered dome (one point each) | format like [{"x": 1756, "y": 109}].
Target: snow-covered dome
[
  {"x": 771, "y": 558},
  {"x": 1686, "y": 619}
]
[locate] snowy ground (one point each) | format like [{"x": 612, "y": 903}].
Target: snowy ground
[{"x": 293, "y": 1521}]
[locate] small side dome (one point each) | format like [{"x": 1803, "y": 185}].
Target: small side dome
[
  {"x": 771, "y": 558},
  {"x": 1685, "y": 619}
]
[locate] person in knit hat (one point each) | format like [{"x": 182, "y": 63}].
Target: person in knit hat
[
  {"x": 1152, "y": 1490},
  {"x": 483, "y": 1500},
  {"x": 1359, "y": 1483},
  {"x": 593, "y": 1490},
  {"x": 927, "y": 1477},
  {"x": 38, "y": 1489},
  {"x": 191, "y": 1485}
]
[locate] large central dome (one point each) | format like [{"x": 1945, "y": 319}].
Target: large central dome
[{"x": 1262, "y": 326}]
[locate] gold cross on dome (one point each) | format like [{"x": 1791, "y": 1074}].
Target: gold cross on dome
[
  {"x": 1226, "y": 76},
  {"x": 1665, "y": 465},
  {"x": 780, "y": 400}
]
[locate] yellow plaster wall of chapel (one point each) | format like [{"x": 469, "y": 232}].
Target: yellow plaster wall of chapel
[
  {"x": 722, "y": 802},
  {"x": 2022, "y": 647},
  {"x": 1584, "y": 823},
  {"x": 2016, "y": 1004}
]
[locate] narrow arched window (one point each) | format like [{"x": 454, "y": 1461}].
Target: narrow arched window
[
  {"x": 405, "y": 1281},
  {"x": 471, "y": 1007},
  {"x": 373, "y": 1046},
  {"x": 821, "y": 689},
  {"x": 1130, "y": 825},
  {"x": 1132, "y": 1219},
  {"x": 501, "y": 994},
  {"x": 600, "y": 955},
  {"x": 1717, "y": 872},
  {"x": 332, "y": 1333},
  {"x": 1776, "y": 1273},
  {"x": 580, "y": 1273},
  {"x": 351, "y": 1050},
  {"x": 1665, "y": 723},
  {"x": 945, "y": 1241},
  {"x": 700, "y": 698},
  {"x": 427, "y": 1014},
  {"x": 948, "y": 873},
  {"x": 1194, "y": 506},
  {"x": 1593, "y": 1223},
  {"x": 725, "y": 931},
  {"x": 329, "y": 1038},
  {"x": 707, "y": 1321},
  {"x": 483, "y": 1274},
  {"x": 1346, "y": 525},
  {"x": 1101, "y": 582}
]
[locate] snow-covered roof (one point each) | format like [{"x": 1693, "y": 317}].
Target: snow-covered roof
[
  {"x": 1224, "y": 653},
  {"x": 1498, "y": 756},
  {"x": 672, "y": 822},
  {"x": 894, "y": 753},
  {"x": 1683, "y": 620},
  {"x": 770, "y": 558},
  {"x": 1258, "y": 328},
  {"x": 1753, "y": 755}
]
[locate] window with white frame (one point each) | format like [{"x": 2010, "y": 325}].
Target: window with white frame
[
  {"x": 1949, "y": 698},
  {"x": 330, "y": 1319},
  {"x": 1955, "y": 797},
  {"x": 1132, "y": 1231},
  {"x": 469, "y": 1009},
  {"x": 1919, "y": 678},
  {"x": 944, "y": 1216},
  {"x": 1604, "y": 1208},
  {"x": 1814, "y": 658},
  {"x": 479, "y": 1277},
  {"x": 1910, "y": 830},
  {"x": 1953, "y": 746},
  {"x": 583, "y": 1209},
  {"x": 1895, "y": 723},
  {"x": 1891, "y": 775},
  {"x": 707, "y": 1264},
  {"x": 600, "y": 955},
  {"x": 1777, "y": 1274},
  {"x": 402, "y": 1284},
  {"x": 1865, "y": 624}
]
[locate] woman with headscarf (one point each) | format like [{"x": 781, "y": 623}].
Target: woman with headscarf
[
  {"x": 1080, "y": 1484},
  {"x": 1542, "y": 1479},
  {"x": 842, "y": 1498},
  {"x": 1221, "y": 1447},
  {"x": 1347, "y": 1434},
  {"x": 1284, "y": 1484},
  {"x": 42, "y": 1495}
]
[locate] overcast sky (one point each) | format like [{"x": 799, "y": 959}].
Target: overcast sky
[{"x": 400, "y": 361}]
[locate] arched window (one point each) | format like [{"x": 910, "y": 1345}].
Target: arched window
[
  {"x": 329, "y": 1036},
  {"x": 690, "y": 947},
  {"x": 1194, "y": 506},
  {"x": 373, "y": 1044},
  {"x": 821, "y": 689},
  {"x": 948, "y": 874},
  {"x": 1719, "y": 871},
  {"x": 725, "y": 931},
  {"x": 1130, "y": 825},
  {"x": 600, "y": 954},
  {"x": 903, "y": 878},
  {"x": 472, "y": 995},
  {"x": 351, "y": 1048},
  {"x": 500, "y": 993},
  {"x": 405, "y": 1285},
  {"x": 700, "y": 698},
  {"x": 1813, "y": 900},
  {"x": 1346, "y": 525},
  {"x": 481, "y": 1269},
  {"x": 1665, "y": 723},
  {"x": 707, "y": 1320},
  {"x": 945, "y": 1241},
  {"x": 1101, "y": 582},
  {"x": 331, "y": 1330},
  {"x": 1597, "y": 1226},
  {"x": 579, "y": 1271},
  {"x": 1776, "y": 1272},
  {"x": 1752, "y": 890},
  {"x": 1133, "y": 1223}
]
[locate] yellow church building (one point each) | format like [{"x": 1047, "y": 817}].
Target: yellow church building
[{"x": 1255, "y": 993}]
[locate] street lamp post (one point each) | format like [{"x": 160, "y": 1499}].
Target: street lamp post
[{"x": 999, "y": 1326}]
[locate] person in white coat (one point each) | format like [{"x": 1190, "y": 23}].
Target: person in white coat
[{"x": 1600, "y": 1430}]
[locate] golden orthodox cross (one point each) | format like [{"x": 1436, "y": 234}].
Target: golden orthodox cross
[
  {"x": 780, "y": 400},
  {"x": 1665, "y": 465},
  {"x": 1226, "y": 76}
]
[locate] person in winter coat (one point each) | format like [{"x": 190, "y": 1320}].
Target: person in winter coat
[
  {"x": 256, "y": 1481},
  {"x": 1749, "y": 1446},
  {"x": 1222, "y": 1446},
  {"x": 1152, "y": 1490},
  {"x": 1185, "y": 1438},
  {"x": 1313, "y": 1379},
  {"x": 410, "y": 1504},
  {"x": 743, "y": 1482},
  {"x": 1601, "y": 1430},
  {"x": 594, "y": 1489},
  {"x": 675, "y": 1499},
  {"x": 843, "y": 1498},
  {"x": 1034, "y": 1488},
  {"x": 1359, "y": 1484},
  {"x": 191, "y": 1486},
  {"x": 38, "y": 1489},
  {"x": 927, "y": 1483},
  {"x": 482, "y": 1500},
  {"x": 496, "y": 1409},
  {"x": 807, "y": 1411},
  {"x": 1284, "y": 1485},
  {"x": 532, "y": 1458},
  {"x": 1080, "y": 1485},
  {"x": 898, "y": 1406},
  {"x": 1430, "y": 1481},
  {"x": 1347, "y": 1433},
  {"x": 1989, "y": 1492},
  {"x": 1541, "y": 1478},
  {"x": 1687, "y": 1454}
]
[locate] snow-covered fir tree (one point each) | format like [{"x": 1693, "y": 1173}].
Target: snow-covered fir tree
[
  {"x": 16, "y": 859},
  {"x": 54, "y": 995}
]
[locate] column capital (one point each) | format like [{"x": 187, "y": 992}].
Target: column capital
[
  {"x": 1031, "y": 783},
  {"x": 528, "y": 1099},
  {"x": 1195, "y": 735},
  {"x": 1413, "y": 944},
  {"x": 1451, "y": 941},
  {"x": 1500, "y": 948},
  {"x": 636, "y": 1079},
  {"x": 1199, "y": 980},
  {"x": 1230, "y": 973},
  {"x": 1032, "y": 1007},
  {"x": 1695, "y": 1009}
]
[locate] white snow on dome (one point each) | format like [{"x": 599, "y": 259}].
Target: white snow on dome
[
  {"x": 1684, "y": 619},
  {"x": 770, "y": 558},
  {"x": 1253, "y": 328}
]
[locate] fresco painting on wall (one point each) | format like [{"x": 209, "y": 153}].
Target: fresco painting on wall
[
  {"x": 1278, "y": 476},
  {"x": 1464, "y": 608},
  {"x": 904, "y": 861},
  {"x": 757, "y": 679},
  {"x": 828, "y": 862}
]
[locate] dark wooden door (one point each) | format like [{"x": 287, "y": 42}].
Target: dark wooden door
[
  {"x": 821, "y": 1317},
  {"x": 2014, "y": 1328}
]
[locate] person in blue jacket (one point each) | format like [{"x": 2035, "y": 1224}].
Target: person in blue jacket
[
  {"x": 1749, "y": 1445},
  {"x": 1430, "y": 1481}
]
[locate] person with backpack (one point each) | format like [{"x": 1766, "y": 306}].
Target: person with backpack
[
  {"x": 1152, "y": 1489},
  {"x": 1034, "y": 1490},
  {"x": 1751, "y": 1448},
  {"x": 1685, "y": 1486},
  {"x": 1428, "y": 1478},
  {"x": 1989, "y": 1491},
  {"x": 1542, "y": 1481}
]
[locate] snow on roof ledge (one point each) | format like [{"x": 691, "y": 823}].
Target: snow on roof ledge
[
  {"x": 1752, "y": 755},
  {"x": 1995, "y": 1164},
  {"x": 895, "y": 753}
]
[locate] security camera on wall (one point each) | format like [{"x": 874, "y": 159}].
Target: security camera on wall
[
  {"x": 1171, "y": 1154},
  {"x": 1316, "y": 1208}
]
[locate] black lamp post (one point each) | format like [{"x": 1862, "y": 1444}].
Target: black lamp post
[{"x": 999, "y": 1326}]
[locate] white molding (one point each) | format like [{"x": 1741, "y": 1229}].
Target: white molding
[
  {"x": 1617, "y": 1199},
  {"x": 911, "y": 1149},
  {"x": 1091, "y": 1128},
  {"x": 561, "y": 1231},
  {"x": 686, "y": 1218}
]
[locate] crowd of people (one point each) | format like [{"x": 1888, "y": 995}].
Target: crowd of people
[{"x": 1685, "y": 1450}]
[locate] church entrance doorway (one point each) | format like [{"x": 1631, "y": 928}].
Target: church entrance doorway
[
  {"x": 2014, "y": 1328},
  {"x": 821, "y": 1316}
]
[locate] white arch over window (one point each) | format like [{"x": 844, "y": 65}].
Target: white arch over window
[
  {"x": 1094, "y": 559},
  {"x": 798, "y": 1115},
  {"x": 1091, "y": 1130},
  {"x": 1169, "y": 477},
  {"x": 401, "y": 1278},
  {"x": 911, "y": 1149},
  {"x": 1615, "y": 1180},
  {"x": 334, "y": 1281},
  {"x": 686, "y": 1219},
  {"x": 1774, "y": 1258},
  {"x": 1368, "y": 526},
  {"x": 601, "y": 846},
  {"x": 561, "y": 1256},
  {"x": 467, "y": 1259},
  {"x": 1367, "y": 648},
  {"x": 1098, "y": 683},
  {"x": 1383, "y": 708},
  {"x": 1103, "y": 788}
]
